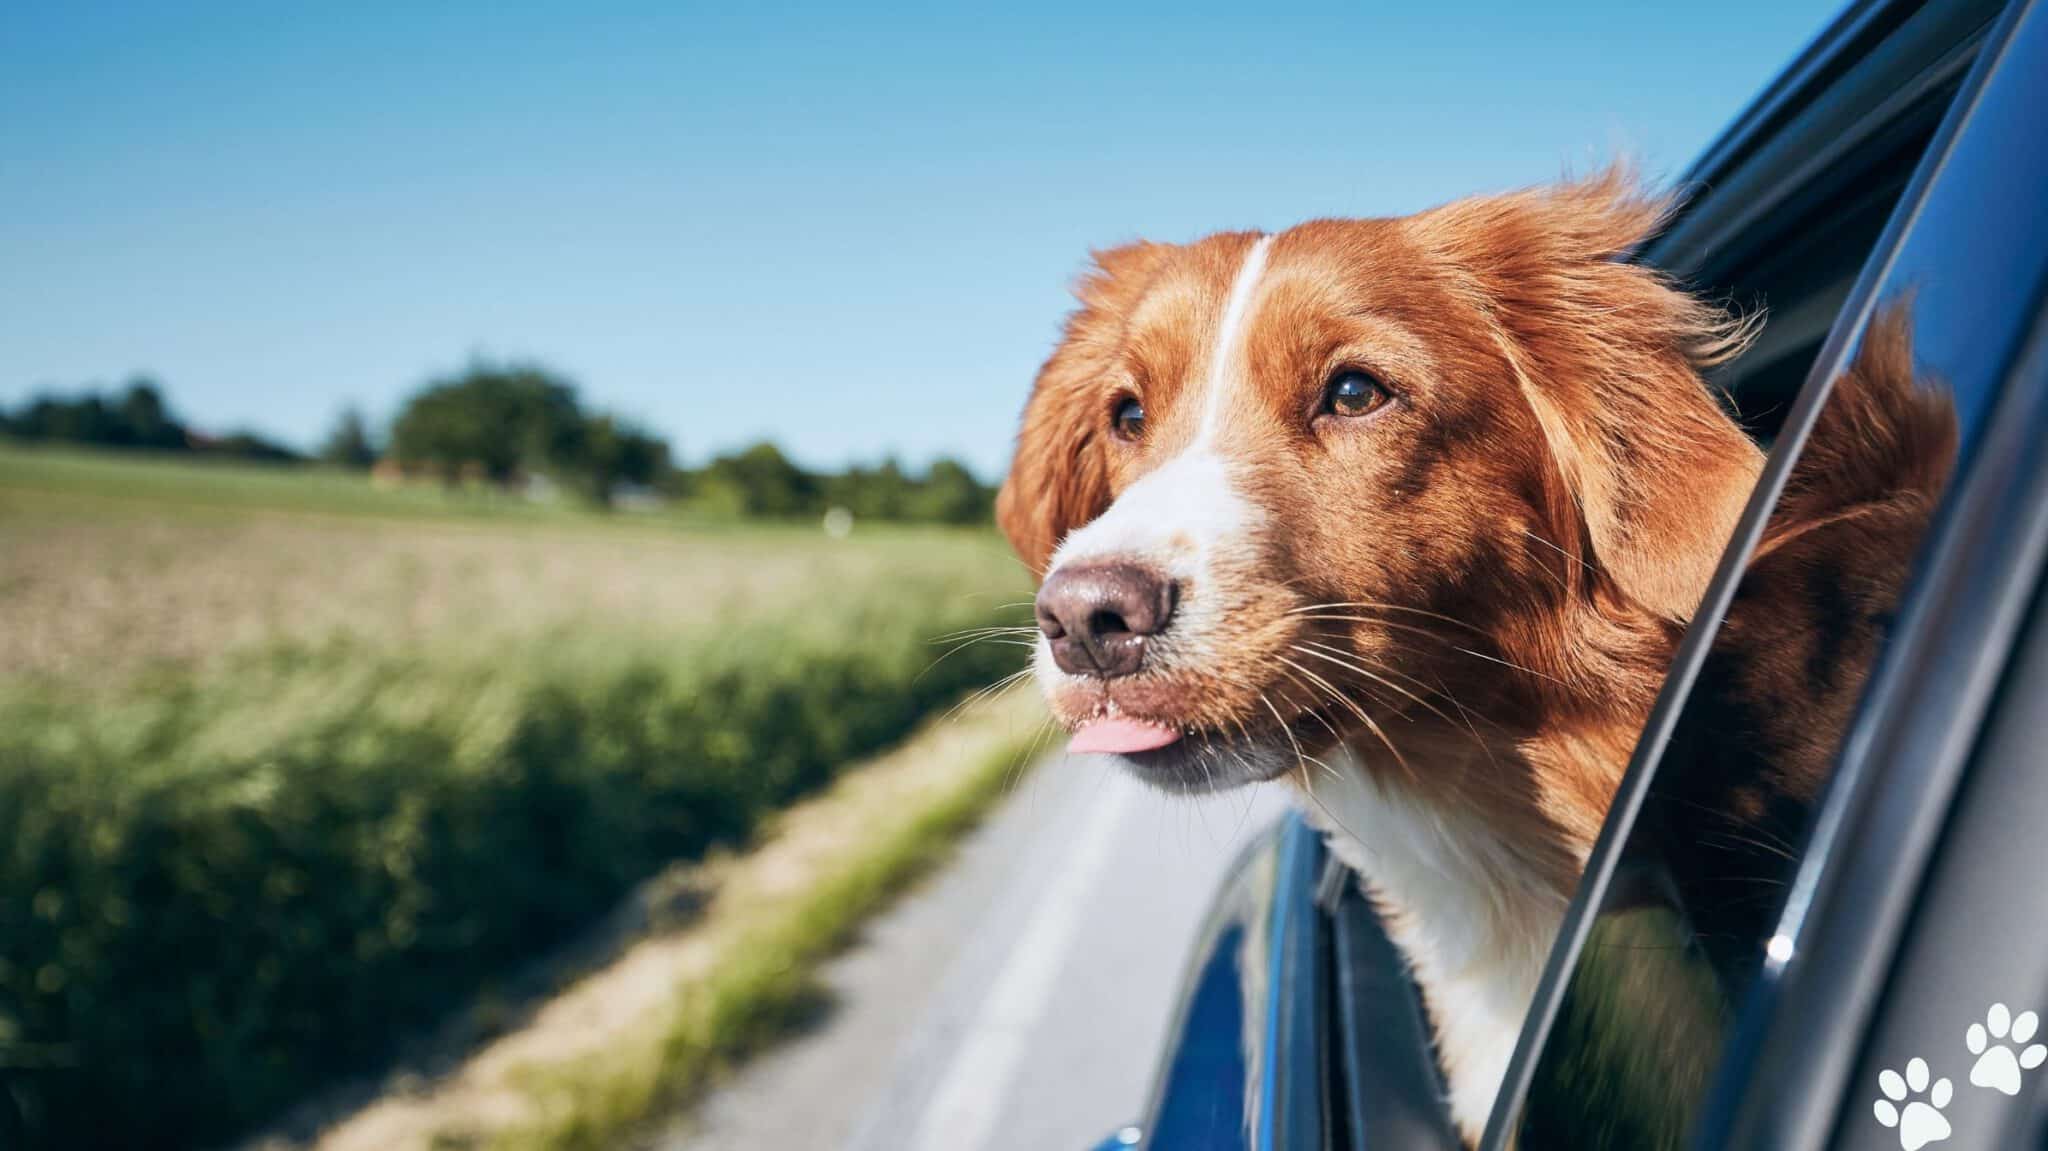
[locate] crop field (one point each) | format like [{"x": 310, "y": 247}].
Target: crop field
[{"x": 288, "y": 764}]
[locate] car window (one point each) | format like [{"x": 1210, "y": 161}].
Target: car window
[{"x": 1683, "y": 926}]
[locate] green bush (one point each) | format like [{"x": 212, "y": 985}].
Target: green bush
[{"x": 219, "y": 892}]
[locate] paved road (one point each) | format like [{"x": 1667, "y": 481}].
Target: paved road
[{"x": 1017, "y": 1001}]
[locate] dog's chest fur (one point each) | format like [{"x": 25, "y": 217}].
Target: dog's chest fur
[{"x": 1472, "y": 919}]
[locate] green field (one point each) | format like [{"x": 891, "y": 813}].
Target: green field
[
  {"x": 185, "y": 483},
  {"x": 289, "y": 764}
]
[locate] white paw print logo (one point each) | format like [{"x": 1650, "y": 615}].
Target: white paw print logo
[
  {"x": 1997, "y": 1067},
  {"x": 1920, "y": 1122}
]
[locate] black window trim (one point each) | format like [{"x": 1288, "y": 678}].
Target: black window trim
[
  {"x": 1869, "y": 71},
  {"x": 1383, "y": 1061},
  {"x": 1812, "y": 72}
]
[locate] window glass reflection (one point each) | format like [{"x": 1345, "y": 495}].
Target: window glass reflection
[{"x": 1701, "y": 880}]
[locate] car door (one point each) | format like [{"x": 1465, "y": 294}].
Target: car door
[
  {"x": 1740, "y": 966},
  {"x": 1298, "y": 1028}
]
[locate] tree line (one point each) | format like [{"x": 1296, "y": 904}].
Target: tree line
[
  {"x": 134, "y": 417},
  {"x": 521, "y": 426}
]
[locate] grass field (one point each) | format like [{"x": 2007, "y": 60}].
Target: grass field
[
  {"x": 110, "y": 565},
  {"x": 631, "y": 1043},
  {"x": 287, "y": 763},
  {"x": 177, "y": 484}
]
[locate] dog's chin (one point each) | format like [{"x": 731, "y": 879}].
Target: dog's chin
[{"x": 1197, "y": 765}]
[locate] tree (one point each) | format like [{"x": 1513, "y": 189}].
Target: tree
[
  {"x": 247, "y": 445},
  {"x": 500, "y": 420},
  {"x": 760, "y": 481},
  {"x": 136, "y": 418},
  {"x": 84, "y": 420},
  {"x": 144, "y": 420},
  {"x": 348, "y": 445},
  {"x": 951, "y": 495},
  {"x": 880, "y": 493},
  {"x": 617, "y": 453}
]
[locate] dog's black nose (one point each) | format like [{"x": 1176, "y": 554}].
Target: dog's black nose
[{"x": 1098, "y": 615}]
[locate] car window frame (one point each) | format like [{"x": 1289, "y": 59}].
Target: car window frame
[
  {"x": 1634, "y": 788},
  {"x": 1880, "y": 829}
]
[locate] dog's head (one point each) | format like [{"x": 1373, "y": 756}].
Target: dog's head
[{"x": 1283, "y": 489}]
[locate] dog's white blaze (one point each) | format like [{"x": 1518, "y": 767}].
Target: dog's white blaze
[
  {"x": 1189, "y": 503},
  {"x": 1223, "y": 357},
  {"x": 1186, "y": 514}
]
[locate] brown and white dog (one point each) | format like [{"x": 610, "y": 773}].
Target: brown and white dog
[{"x": 1407, "y": 512}]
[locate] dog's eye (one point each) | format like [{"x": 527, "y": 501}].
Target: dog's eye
[
  {"x": 1127, "y": 419},
  {"x": 1354, "y": 393}
]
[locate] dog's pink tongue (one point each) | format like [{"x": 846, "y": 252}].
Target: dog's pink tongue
[{"x": 1120, "y": 735}]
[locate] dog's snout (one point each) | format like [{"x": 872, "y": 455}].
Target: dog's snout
[{"x": 1097, "y": 616}]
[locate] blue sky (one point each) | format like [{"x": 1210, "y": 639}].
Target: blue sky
[{"x": 850, "y": 230}]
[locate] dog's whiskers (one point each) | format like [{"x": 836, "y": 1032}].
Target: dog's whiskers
[
  {"x": 1512, "y": 665},
  {"x": 1563, "y": 583},
  {"x": 995, "y": 637},
  {"x": 1315, "y": 713},
  {"x": 979, "y": 632},
  {"x": 1308, "y": 786},
  {"x": 982, "y": 694},
  {"x": 1733, "y": 842},
  {"x": 1208, "y": 777},
  {"x": 1333, "y": 655},
  {"x": 1452, "y": 644},
  {"x": 1300, "y": 757},
  {"x": 1335, "y": 694},
  {"x": 1015, "y": 775},
  {"x": 1569, "y": 557},
  {"x": 1363, "y": 716},
  {"x": 1484, "y": 747},
  {"x": 1364, "y": 603}
]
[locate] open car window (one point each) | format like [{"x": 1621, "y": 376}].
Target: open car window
[{"x": 1868, "y": 426}]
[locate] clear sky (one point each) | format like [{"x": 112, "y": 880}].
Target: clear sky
[{"x": 850, "y": 229}]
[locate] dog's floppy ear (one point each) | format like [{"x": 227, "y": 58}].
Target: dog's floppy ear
[
  {"x": 1058, "y": 479},
  {"x": 1608, "y": 354}
]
